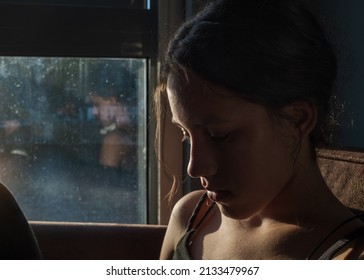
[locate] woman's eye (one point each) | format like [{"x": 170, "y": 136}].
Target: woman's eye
[{"x": 219, "y": 137}]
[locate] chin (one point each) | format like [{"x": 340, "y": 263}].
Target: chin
[{"x": 236, "y": 213}]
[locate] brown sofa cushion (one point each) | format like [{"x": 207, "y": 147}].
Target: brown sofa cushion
[
  {"x": 88, "y": 241},
  {"x": 343, "y": 171}
]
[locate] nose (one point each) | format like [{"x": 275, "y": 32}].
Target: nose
[{"x": 203, "y": 160}]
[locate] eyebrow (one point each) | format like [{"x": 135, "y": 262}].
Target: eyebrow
[{"x": 205, "y": 123}]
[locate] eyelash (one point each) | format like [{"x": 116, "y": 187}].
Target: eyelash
[
  {"x": 221, "y": 138},
  {"x": 186, "y": 137}
]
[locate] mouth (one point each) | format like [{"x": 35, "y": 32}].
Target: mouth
[{"x": 218, "y": 195}]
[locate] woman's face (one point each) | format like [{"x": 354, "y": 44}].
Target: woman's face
[
  {"x": 238, "y": 150},
  {"x": 105, "y": 109}
]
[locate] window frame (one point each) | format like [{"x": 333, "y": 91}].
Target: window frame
[{"x": 71, "y": 31}]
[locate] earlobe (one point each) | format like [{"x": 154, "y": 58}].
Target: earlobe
[{"x": 303, "y": 113}]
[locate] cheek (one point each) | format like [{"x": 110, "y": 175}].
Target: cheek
[
  {"x": 265, "y": 160},
  {"x": 256, "y": 170}
]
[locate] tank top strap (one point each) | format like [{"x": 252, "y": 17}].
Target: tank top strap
[
  {"x": 201, "y": 210},
  {"x": 340, "y": 244}
]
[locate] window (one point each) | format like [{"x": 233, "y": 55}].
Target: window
[
  {"x": 59, "y": 118},
  {"x": 71, "y": 76}
]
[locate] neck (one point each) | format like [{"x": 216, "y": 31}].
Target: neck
[{"x": 305, "y": 199}]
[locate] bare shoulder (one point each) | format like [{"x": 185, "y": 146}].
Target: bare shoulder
[
  {"x": 178, "y": 221},
  {"x": 184, "y": 207}
]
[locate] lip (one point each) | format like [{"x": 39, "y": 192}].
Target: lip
[{"x": 218, "y": 195}]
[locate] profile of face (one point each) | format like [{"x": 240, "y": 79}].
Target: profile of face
[{"x": 237, "y": 148}]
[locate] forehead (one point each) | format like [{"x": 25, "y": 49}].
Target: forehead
[
  {"x": 195, "y": 100},
  {"x": 190, "y": 88}
]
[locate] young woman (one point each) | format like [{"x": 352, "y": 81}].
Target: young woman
[{"x": 250, "y": 85}]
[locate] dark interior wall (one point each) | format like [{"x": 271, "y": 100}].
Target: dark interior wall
[
  {"x": 344, "y": 23},
  {"x": 349, "y": 26}
]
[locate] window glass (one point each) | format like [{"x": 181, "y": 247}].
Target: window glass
[{"x": 72, "y": 137}]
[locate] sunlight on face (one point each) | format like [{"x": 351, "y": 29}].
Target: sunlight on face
[{"x": 236, "y": 148}]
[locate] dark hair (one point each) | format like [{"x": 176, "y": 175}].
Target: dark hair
[
  {"x": 272, "y": 52},
  {"x": 111, "y": 92}
]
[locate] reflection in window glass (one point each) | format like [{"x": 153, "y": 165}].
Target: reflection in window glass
[{"x": 72, "y": 137}]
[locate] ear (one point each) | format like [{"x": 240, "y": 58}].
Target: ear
[{"x": 303, "y": 113}]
